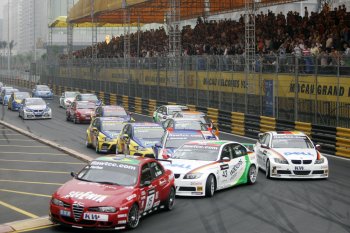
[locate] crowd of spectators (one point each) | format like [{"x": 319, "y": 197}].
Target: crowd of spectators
[{"x": 325, "y": 34}]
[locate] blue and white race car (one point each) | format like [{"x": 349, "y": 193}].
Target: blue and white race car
[
  {"x": 173, "y": 139},
  {"x": 203, "y": 167},
  {"x": 290, "y": 154},
  {"x": 42, "y": 91},
  {"x": 34, "y": 108}
]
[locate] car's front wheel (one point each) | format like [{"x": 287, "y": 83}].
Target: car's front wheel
[
  {"x": 252, "y": 174},
  {"x": 133, "y": 217},
  {"x": 268, "y": 170},
  {"x": 169, "y": 204},
  {"x": 88, "y": 145},
  {"x": 210, "y": 186}
]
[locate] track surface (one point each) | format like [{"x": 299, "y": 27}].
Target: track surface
[{"x": 268, "y": 206}]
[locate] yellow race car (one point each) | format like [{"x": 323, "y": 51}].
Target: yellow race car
[
  {"x": 103, "y": 132},
  {"x": 15, "y": 100},
  {"x": 139, "y": 139}
]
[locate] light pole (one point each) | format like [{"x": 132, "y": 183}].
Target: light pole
[{"x": 8, "y": 38}]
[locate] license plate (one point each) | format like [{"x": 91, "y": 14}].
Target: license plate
[
  {"x": 299, "y": 168},
  {"x": 65, "y": 213},
  {"x": 96, "y": 217}
]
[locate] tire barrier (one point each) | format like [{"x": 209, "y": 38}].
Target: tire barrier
[{"x": 333, "y": 140}]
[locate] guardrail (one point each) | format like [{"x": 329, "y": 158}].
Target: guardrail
[{"x": 333, "y": 140}]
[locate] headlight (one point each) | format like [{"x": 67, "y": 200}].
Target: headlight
[
  {"x": 28, "y": 110},
  {"x": 319, "y": 161},
  {"x": 105, "y": 209},
  {"x": 193, "y": 175},
  {"x": 107, "y": 139},
  {"x": 57, "y": 202},
  {"x": 47, "y": 109},
  {"x": 282, "y": 161}
]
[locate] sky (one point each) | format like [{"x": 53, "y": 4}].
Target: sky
[{"x": 2, "y": 4}]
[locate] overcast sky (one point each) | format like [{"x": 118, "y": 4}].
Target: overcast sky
[{"x": 2, "y": 4}]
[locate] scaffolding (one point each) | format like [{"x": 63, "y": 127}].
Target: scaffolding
[
  {"x": 93, "y": 32},
  {"x": 249, "y": 19}
]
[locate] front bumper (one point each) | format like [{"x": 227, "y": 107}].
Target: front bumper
[
  {"x": 44, "y": 96},
  {"x": 84, "y": 118},
  {"x": 116, "y": 220},
  {"x": 107, "y": 147},
  {"x": 299, "y": 171},
  {"x": 189, "y": 187},
  {"x": 145, "y": 152},
  {"x": 31, "y": 115}
]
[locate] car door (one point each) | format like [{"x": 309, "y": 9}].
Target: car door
[
  {"x": 262, "y": 152},
  {"x": 224, "y": 166},
  {"x": 160, "y": 182},
  {"x": 147, "y": 189},
  {"x": 238, "y": 164}
]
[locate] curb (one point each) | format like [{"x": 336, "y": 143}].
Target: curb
[
  {"x": 28, "y": 224},
  {"x": 57, "y": 146},
  {"x": 25, "y": 225}
]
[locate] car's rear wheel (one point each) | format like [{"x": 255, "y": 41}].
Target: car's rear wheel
[
  {"x": 210, "y": 186},
  {"x": 268, "y": 170},
  {"x": 133, "y": 217},
  {"x": 252, "y": 174},
  {"x": 169, "y": 204}
]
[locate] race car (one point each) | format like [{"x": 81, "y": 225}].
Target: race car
[
  {"x": 80, "y": 111},
  {"x": 67, "y": 98},
  {"x": 113, "y": 192},
  {"x": 173, "y": 139},
  {"x": 167, "y": 111},
  {"x": 34, "y": 108},
  {"x": 112, "y": 111},
  {"x": 203, "y": 167},
  {"x": 88, "y": 97},
  {"x": 290, "y": 154},
  {"x": 6, "y": 94},
  {"x": 42, "y": 91},
  {"x": 15, "y": 100},
  {"x": 201, "y": 116},
  {"x": 139, "y": 139},
  {"x": 102, "y": 133},
  {"x": 184, "y": 124}
]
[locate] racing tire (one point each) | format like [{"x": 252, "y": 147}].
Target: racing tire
[
  {"x": 210, "y": 186},
  {"x": 96, "y": 149},
  {"x": 252, "y": 174},
  {"x": 268, "y": 170},
  {"x": 88, "y": 145},
  {"x": 133, "y": 217},
  {"x": 169, "y": 203}
]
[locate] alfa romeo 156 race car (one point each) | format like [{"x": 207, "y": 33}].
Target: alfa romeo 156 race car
[
  {"x": 203, "y": 167},
  {"x": 67, "y": 98},
  {"x": 113, "y": 193},
  {"x": 290, "y": 154}
]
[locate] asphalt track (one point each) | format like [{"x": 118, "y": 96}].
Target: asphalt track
[{"x": 291, "y": 206}]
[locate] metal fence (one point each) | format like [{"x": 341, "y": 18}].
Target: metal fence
[{"x": 313, "y": 89}]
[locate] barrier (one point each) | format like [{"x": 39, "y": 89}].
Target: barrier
[
  {"x": 238, "y": 120},
  {"x": 304, "y": 127},
  {"x": 342, "y": 142},
  {"x": 152, "y": 105},
  {"x": 267, "y": 124},
  {"x": 138, "y": 105},
  {"x": 252, "y": 126}
]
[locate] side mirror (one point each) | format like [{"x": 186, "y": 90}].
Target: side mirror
[
  {"x": 318, "y": 147},
  {"x": 164, "y": 117},
  {"x": 95, "y": 130},
  {"x": 225, "y": 159},
  {"x": 126, "y": 138},
  {"x": 146, "y": 183},
  {"x": 73, "y": 174},
  {"x": 265, "y": 146}
]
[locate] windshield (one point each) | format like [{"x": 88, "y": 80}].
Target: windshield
[
  {"x": 148, "y": 132},
  {"x": 89, "y": 97},
  {"x": 21, "y": 96},
  {"x": 110, "y": 173},
  {"x": 114, "y": 112},
  {"x": 204, "y": 119},
  {"x": 31, "y": 102},
  {"x": 43, "y": 88},
  {"x": 175, "y": 141},
  {"x": 172, "y": 110},
  {"x": 190, "y": 125},
  {"x": 10, "y": 91},
  {"x": 86, "y": 105},
  {"x": 112, "y": 126},
  {"x": 291, "y": 142},
  {"x": 71, "y": 94},
  {"x": 197, "y": 152}
]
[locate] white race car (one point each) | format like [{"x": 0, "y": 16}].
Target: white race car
[
  {"x": 167, "y": 111},
  {"x": 67, "y": 98},
  {"x": 34, "y": 108},
  {"x": 202, "y": 167},
  {"x": 290, "y": 154}
]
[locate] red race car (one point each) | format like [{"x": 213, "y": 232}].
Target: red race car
[
  {"x": 113, "y": 192},
  {"x": 80, "y": 111}
]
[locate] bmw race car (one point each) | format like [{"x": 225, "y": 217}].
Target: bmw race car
[
  {"x": 290, "y": 154},
  {"x": 112, "y": 111},
  {"x": 184, "y": 124},
  {"x": 113, "y": 192},
  {"x": 34, "y": 108},
  {"x": 15, "y": 100},
  {"x": 167, "y": 111},
  {"x": 139, "y": 139},
  {"x": 203, "y": 167},
  {"x": 67, "y": 98},
  {"x": 173, "y": 139},
  {"x": 103, "y": 132},
  {"x": 42, "y": 91}
]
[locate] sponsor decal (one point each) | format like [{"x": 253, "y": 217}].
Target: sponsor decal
[
  {"x": 122, "y": 222},
  {"x": 179, "y": 165},
  {"x": 129, "y": 198},
  {"x": 86, "y": 196},
  {"x": 156, "y": 203},
  {"x": 122, "y": 215},
  {"x": 203, "y": 147},
  {"x": 224, "y": 167},
  {"x": 298, "y": 153},
  {"x": 236, "y": 167},
  {"x": 111, "y": 164}
]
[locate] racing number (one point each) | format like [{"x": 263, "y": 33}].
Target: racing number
[
  {"x": 150, "y": 199},
  {"x": 224, "y": 173}
]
